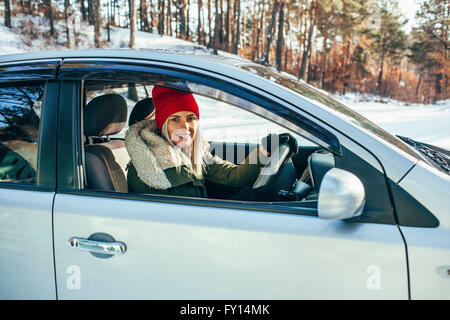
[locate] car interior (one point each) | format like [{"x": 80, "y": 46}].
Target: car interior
[
  {"x": 106, "y": 116},
  {"x": 19, "y": 131}
]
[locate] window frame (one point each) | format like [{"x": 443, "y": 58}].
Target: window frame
[
  {"x": 75, "y": 70},
  {"x": 45, "y": 71}
]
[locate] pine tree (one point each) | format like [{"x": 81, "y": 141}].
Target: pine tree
[
  {"x": 389, "y": 40},
  {"x": 8, "y": 13},
  {"x": 132, "y": 10},
  {"x": 429, "y": 50},
  {"x": 97, "y": 23}
]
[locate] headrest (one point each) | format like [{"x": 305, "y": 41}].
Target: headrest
[
  {"x": 105, "y": 115},
  {"x": 141, "y": 111}
]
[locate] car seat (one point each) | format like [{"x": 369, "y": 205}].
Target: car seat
[
  {"x": 105, "y": 159},
  {"x": 319, "y": 163},
  {"x": 141, "y": 111}
]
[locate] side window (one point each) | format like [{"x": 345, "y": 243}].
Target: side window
[
  {"x": 223, "y": 122},
  {"x": 131, "y": 92},
  {"x": 233, "y": 127},
  {"x": 106, "y": 116},
  {"x": 20, "y": 110},
  {"x": 233, "y": 122}
]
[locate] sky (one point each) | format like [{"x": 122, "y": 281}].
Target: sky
[{"x": 409, "y": 8}]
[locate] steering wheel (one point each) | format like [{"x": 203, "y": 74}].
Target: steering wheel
[{"x": 268, "y": 173}]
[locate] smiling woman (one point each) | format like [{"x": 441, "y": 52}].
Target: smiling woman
[{"x": 169, "y": 155}]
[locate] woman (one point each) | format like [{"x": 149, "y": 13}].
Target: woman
[{"x": 169, "y": 156}]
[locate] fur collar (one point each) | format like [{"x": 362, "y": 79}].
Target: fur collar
[{"x": 151, "y": 154}]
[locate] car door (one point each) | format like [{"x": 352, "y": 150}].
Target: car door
[
  {"x": 28, "y": 105},
  {"x": 189, "y": 248}
]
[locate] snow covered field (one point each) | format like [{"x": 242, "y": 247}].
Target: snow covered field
[{"x": 425, "y": 123}]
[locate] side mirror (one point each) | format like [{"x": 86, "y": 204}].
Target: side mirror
[{"x": 341, "y": 195}]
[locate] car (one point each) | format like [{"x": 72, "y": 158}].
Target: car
[{"x": 355, "y": 213}]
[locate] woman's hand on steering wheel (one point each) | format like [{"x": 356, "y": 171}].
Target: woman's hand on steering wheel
[
  {"x": 273, "y": 140},
  {"x": 276, "y": 143}
]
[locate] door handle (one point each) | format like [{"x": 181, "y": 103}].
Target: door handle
[{"x": 109, "y": 248}]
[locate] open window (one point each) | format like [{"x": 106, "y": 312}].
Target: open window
[
  {"x": 233, "y": 121},
  {"x": 20, "y": 111},
  {"x": 233, "y": 126}
]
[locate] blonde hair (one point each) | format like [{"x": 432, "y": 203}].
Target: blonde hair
[{"x": 195, "y": 159}]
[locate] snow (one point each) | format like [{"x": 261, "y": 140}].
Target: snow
[{"x": 425, "y": 123}]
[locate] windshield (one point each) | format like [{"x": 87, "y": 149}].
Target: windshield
[{"x": 337, "y": 107}]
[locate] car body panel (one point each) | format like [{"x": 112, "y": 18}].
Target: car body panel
[
  {"x": 26, "y": 231},
  {"x": 26, "y": 245},
  {"x": 429, "y": 249},
  {"x": 189, "y": 252},
  {"x": 30, "y": 70}
]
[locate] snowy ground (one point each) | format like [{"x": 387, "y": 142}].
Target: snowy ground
[
  {"x": 429, "y": 123},
  {"x": 424, "y": 123}
]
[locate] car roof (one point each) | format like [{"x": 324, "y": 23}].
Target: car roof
[{"x": 172, "y": 55}]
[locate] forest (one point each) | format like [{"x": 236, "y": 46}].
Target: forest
[{"x": 339, "y": 46}]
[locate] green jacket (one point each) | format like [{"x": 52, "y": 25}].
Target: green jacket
[{"x": 153, "y": 169}]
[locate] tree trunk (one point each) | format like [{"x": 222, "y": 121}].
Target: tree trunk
[
  {"x": 132, "y": 92},
  {"x": 258, "y": 31},
  {"x": 280, "y": 40},
  {"x": 181, "y": 12},
  {"x": 161, "y": 17},
  {"x": 83, "y": 10},
  {"x": 216, "y": 28},
  {"x": 50, "y": 16},
  {"x": 210, "y": 39},
  {"x": 380, "y": 74},
  {"x": 108, "y": 20},
  {"x": 221, "y": 24},
  {"x": 97, "y": 23},
  {"x": 244, "y": 25},
  {"x": 91, "y": 12},
  {"x": 227, "y": 27},
  {"x": 302, "y": 73},
  {"x": 324, "y": 56},
  {"x": 418, "y": 84},
  {"x": 270, "y": 32},
  {"x": 8, "y": 13},
  {"x": 445, "y": 60},
  {"x": 300, "y": 32},
  {"x": 132, "y": 7},
  {"x": 186, "y": 9},
  {"x": 199, "y": 24},
  {"x": 437, "y": 86},
  {"x": 144, "y": 16},
  {"x": 151, "y": 16},
  {"x": 238, "y": 27},
  {"x": 29, "y": 7},
  {"x": 66, "y": 5},
  {"x": 169, "y": 18},
  {"x": 344, "y": 67}
]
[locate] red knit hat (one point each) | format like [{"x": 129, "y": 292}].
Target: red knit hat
[{"x": 169, "y": 101}]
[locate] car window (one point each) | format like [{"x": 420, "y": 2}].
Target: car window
[
  {"x": 233, "y": 134},
  {"x": 20, "y": 110},
  {"x": 322, "y": 97},
  {"x": 223, "y": 122},
  {"x": 131, "y": 92}
]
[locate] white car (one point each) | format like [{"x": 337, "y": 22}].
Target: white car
[{"x": 355, "y": 214}]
